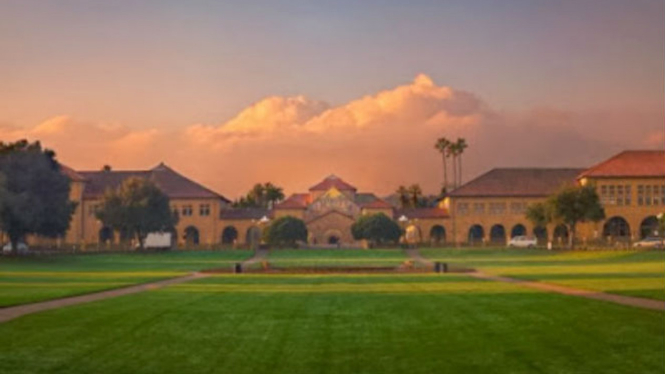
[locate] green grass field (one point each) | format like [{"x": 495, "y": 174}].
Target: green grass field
[
  {"x": 289, "y": 258},
  {"x": 30, "y": 279},
  {"x": 633, "y": 273},
  {"x": 343, "y": 323}
]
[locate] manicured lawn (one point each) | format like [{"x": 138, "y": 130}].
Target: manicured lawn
[
  {"x": 336, "y": 257},
  {"x": 30, "y": 279},
  {"x": 634, "y": 273},
  {"x": 402, "y": 323}
]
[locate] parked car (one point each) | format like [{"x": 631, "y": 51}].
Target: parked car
[
  {"x": 650, "y": 242},
  {"x": 522, "y": 242},
  {"x": 157, "y": 240},
  {"x": 21, "y": 248}
]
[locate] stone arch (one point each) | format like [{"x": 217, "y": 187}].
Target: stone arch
[
  {"x": 437, "y": 234},
  {"x": 498, "y": 234},
  {"x": 253, "y": 236},
  {"x": 616, "y": 228},
  {"x": 518, "y": 230},
  {"x": 191, "y": 235},
  {"x": 649, "y": 227},
  {"x": 476, "y": 234},
  {"x": 106, "y": 235},
  {"x": 561, "y": 234},
  {"x": 229, "y": 235},
  {"x": 332, "y": 236}
]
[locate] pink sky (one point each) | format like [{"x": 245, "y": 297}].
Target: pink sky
[{"x": 234, "y": 93}]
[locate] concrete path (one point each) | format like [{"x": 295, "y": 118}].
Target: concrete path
[
  {"x": 259, "y": 255},
  {"x": 414, "y": 254},
  {"x": 638, "y": 302},
  {"x": 12, "y": 312}
]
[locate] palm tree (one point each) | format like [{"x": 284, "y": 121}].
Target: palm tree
[
  {"x": 403, "y": 194},
  {"x": 442, "y": 145},
  {"x": 460, "y": 146},
  {"x": 272, "y": 194},
  {"x": 416, "y": 192},
  {"x": 257, "y": 194},
  {"x": 453, "y": 152}
]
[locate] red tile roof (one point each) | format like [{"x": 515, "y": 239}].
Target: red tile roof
[
  {"x": 332, "y": 181},
  {"x": 173, "y": 184},
  {"x": 517, "y": 182},
  {"x": 295, "y": 201},
  {"x": 630, "y": 164},
  {"x": 422, "y": 213},
  {"x": 69, "y": 172}
]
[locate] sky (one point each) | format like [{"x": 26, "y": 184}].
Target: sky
[{"x": 231, "y": 93}]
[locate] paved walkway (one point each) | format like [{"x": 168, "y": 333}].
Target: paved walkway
[
  {"x": 638, "y": 302},
  {"x": 9, "y": 313},
  {"x": 259, "y": 255}
]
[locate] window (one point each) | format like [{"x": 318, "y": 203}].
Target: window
[
  {"x": 640, "y": 195},
  {"x": 603, "y": 194},
  {"x": 656, "y": 194},
  {"x": 204, "y": 210},
  {"x": 479, "y": 208},
  {"x": 497, "y": 208},
  {"x": 517, "y": 208},
  {"x": 463, "y": 208},
  {"x": 647, "y": 195},
  {"x": 662, "y": 195},
  {"x": 628, "y": 195},
  {"x": 187, "y": 210}
]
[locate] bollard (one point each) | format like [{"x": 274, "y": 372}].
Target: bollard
[{"x": 237, "y": 268}]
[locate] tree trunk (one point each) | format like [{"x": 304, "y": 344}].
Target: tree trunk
[
  {"x": 140, "y": 238},
  {"x": 460, "y": 169},
  {"x": 571, "y": 237},
  {"x": 13, "y": 240},
  {"x": 445, "y": 172},
  {"x": 454, "y": 172}
]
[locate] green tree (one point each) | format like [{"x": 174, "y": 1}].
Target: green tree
[
  {"x": 286, "y": 232},
  {"x": 137, "y": 207},
  {"x": 262, "y": 195},
  {"x": 538, "y": 214},
  {"x": 569, "y": 206},
  {"x": 35, "y": 193},
  {"x": 442, "y": 145},
  {"x": 376, "y": 229}
]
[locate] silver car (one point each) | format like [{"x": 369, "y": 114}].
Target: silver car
[
  {"x": 650, "y": 242},
  {"x": 522, "y": 241}
]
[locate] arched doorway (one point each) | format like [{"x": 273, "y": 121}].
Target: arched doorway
[
  {"x": 106, "y": 235},
  {"x": 518, "y": 230},
  {"x": 229, "y": 235},
  {"x": 253, "y": 236},
  {"x": 191, "y": 235},
  {"x": 333, "y": 239},
  {"x": 616, "y": 228},
  {"x": 540, "y": 232},
  {"x": 561, "y": 234},
  {"x": 476, "y": 234},
  {"x": 332, "y": 236},
  {"x": 437, "y": 234},
  {"x": 649, "y": 227},
  {"x": 498, "y": 234}
]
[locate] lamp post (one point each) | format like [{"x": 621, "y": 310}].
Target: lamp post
[{"x": 403, "y": 220}]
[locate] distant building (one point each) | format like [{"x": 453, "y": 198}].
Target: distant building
[{"x": 488, "y": 210}]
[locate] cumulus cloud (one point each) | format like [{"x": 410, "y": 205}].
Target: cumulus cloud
[{"x": 376, "y": 142}]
